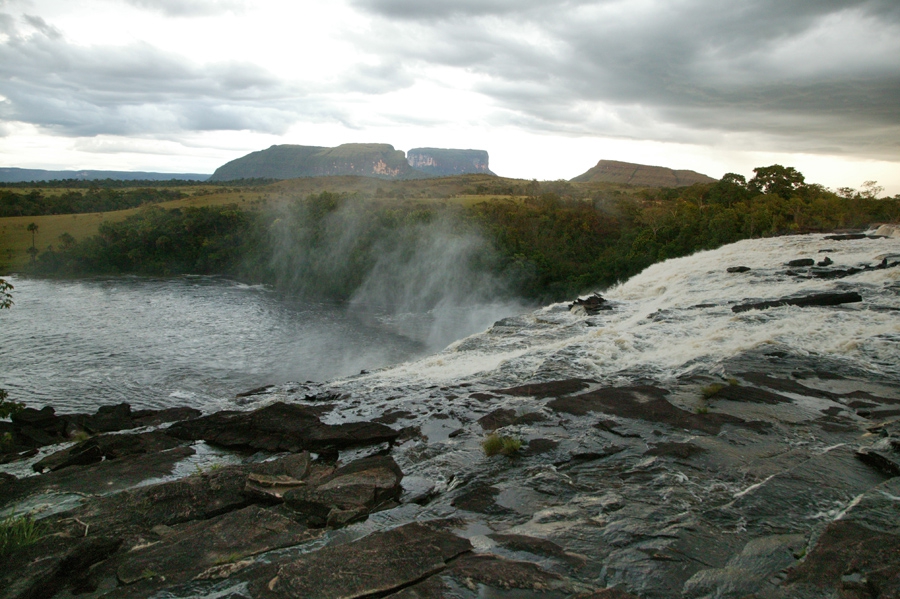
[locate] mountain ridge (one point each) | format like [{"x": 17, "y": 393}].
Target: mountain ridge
[{"x": 630, "y": 173}]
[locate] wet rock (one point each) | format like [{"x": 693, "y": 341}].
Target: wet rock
[
  {"x": 349, "y": 493},
  {"x": 641, "y": 402},
  {"x": 540, "y": 547},
  {"x": 826, "y": 262},
  {"x": 548, "y": 389},
  {"x": 480, "y": 498},
  {"x": 590, "y": 305},
  {"x": 801, "y": 262},
  {"x": 849, "y": 560},
  {"x": 281, "y": 427},
  {"x": 751, "y": 571},
  {"x": 103, "y": 477},
  {"x": 500, "y": 418},
  {"x": 847, "y": 237},
  {"x": 750, "y": 394},
  {"x": 372, "y": 566},
  {"x": 881, "y": 460},
  {"x": 157, "y": 417},
  {"x": 737, "y": 269},
  {"x": 107, "y": 447},
  {"x": 682, "y": 451},
  {"x": 815, "y": 299},
  {"x": 607, "y": 594},
  {"x": 478, "y": 571},
  {"x": 256, "y": 391},
  {"x": 52, "y": 565},
  {"x": 785, "y": 385},
  {"x": 197, "y": 549},
  {"x": 539, "y": 446}
]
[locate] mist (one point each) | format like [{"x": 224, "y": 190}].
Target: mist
[{"x": 422, "y": 271}]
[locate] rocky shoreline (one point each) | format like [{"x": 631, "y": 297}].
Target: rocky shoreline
[{"x": 771, "y": 486}]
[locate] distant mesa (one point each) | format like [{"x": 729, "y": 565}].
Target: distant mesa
[
  {"x": 366, "y": 160},
  {"x": 25, "y": 175},
  {"x": 440, "y": 162},
  {"x": 613, "y": 171}
]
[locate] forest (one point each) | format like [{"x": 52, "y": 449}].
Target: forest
[{"x": 545, "y": 240}]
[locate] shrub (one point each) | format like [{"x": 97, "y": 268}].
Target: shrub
[{"x": 495, "y": 444}]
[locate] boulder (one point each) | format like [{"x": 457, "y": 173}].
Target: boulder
[
  {"x": 737, "y": 269},
  {"x": 801, "y": 262},
  {"x": 281, "y": 427},
  {"x": 590, "y": 305},
  {"x": 815, "y": 299},
  {"x": 349, "y": 493}
]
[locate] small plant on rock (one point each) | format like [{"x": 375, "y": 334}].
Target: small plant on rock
[
  {"x": 711, "y": 390},
  {"x": 18, "y": 531},
  {"x": 495, "y": 444}
]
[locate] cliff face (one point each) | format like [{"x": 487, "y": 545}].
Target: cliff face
[
  {"x": 444, "y": 162},
  {"x": 291, "y": 161},
  {"x": 613, "y": 171}
]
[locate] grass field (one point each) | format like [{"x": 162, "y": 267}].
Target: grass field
[{"x": 15, "y": 239}]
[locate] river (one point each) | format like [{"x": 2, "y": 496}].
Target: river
[{"x": 79, "y": 344}]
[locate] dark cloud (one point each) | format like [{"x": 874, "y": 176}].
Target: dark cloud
[
  {"x": 190, "y": 8},
  {"x": 810, "y": 75},
  {"x": 138, "y": 89}
]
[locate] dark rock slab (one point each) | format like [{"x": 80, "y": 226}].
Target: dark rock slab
[
  {"x": 108, "y": 447},
  {"x": 802, "y": 262},
  {"x": 682, "y": 451},
  {"x": 785, "y": 385},
  {"x": 502, "y": 574},
  {"x": 641, "y": 402},
  {"x": 52, "y": 565},
  {"x": 849, "y": 560},
  {"x": 539, "y": 446},
  {"x": 884, "y": 461},
  {"x": 370, "y": 567},
  {"x": 480, "y": 498},
  {"x": 102, "y": 477},
  {"x": 281, "y": 427},
  {"x": 198, "y": 549},
  {"x": 540, "y": 547},
  {"x": 197, "y": 497},
  {"x": 815, "y": 299},
  {"x": 349, "y": 493},
  {"x": 501, "y": 417},
  {"x": 751, "y": 394},
  {"x": 157, "y": 417},
  {"x": 737, "y": 269},
  {"x": 549, "y": 389},
  {"x": 847, "y": 237},
  {"x": 608, "y": 594},
  {"x": 590, "y": 305}
]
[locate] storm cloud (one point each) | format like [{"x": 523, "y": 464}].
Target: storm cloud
[
  {"x": 815, "y": 77},
  {"x": 812, "y": 77}
]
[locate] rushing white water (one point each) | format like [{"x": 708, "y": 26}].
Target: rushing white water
[{"x": 676, "y": 317}]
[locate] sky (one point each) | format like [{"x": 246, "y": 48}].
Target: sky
[{"x": 547, "y": 87}]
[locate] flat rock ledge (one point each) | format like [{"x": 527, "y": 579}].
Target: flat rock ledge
[{"x": 777, "y": 481}]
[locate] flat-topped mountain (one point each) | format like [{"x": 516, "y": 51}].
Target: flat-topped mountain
[
  {"x": 441, "y": 162},
  {"x": 292, "y": 161},
  {"x": 613, "y": 171},
  {"x": 365, "y": 160}
]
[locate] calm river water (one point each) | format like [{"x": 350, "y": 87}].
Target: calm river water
[{"x": 190, "y": 341}]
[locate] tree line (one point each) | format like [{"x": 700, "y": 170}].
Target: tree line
[{"x": 548, "y": 244}]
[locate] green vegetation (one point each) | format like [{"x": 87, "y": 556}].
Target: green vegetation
[
  {"x": 18, "y": 531},
  {"x": 710, "y": 391},
  {"x": 7, "y": 407},
  {"x": 494, "y": 444},
  {"x": 36, "y": 203},
  {"x": 545, "y": 241}
]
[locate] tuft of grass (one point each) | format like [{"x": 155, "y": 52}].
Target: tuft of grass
[
  {"x": 228, "y": 559},
  {"x": 711, "y": 390},
  {"x": 702, "y": 409},
  {"x": 494, "y": 444},
  {"x": 18, "y": 531},
  {"x": 6, "y": 442}
]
